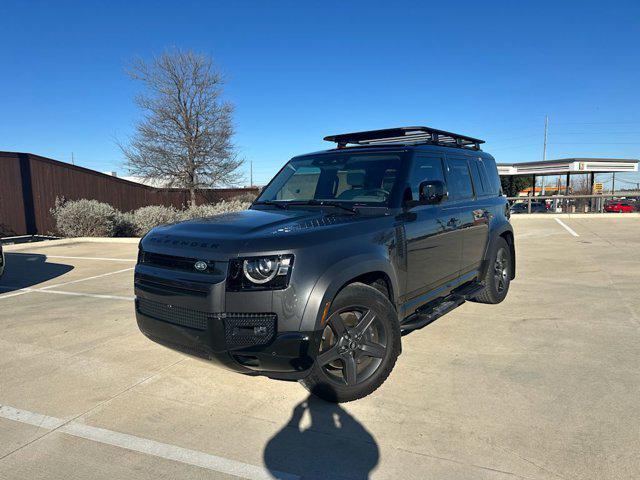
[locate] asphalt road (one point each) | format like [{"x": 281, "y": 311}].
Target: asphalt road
[{"x": 545, "y": 385}]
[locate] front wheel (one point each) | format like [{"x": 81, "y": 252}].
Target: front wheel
[{"x": 359, "y": 346}]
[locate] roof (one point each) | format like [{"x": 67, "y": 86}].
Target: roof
[{"x": 569, "y": 165}]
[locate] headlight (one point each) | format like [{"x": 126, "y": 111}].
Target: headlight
[{"x": 260, "y": 273}]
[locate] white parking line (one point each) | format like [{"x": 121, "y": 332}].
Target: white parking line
[
  {"x": 144, "y": 445},
  {"x": 90, "y": 258},
  {"x": 567, "y": 227},
  {"x": 85, "y": 279},
  {"x": 31, "y": 418},
  {"x": 47, "y": 289},
  {"x": 92, "y": 295},
  {"x": 21, "y": 291}
]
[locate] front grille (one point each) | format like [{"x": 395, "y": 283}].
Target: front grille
[
  {"x": 240, "y": 329},
  {"x": 247, "y": 329},
  {"x": 182, "y": 316},
  {"x": 176, "y": 263},
  {"x": 158, "y": 285}
]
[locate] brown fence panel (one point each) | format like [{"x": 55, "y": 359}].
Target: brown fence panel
[
  {"x": 12, "y": 214},
  {"x": 29, "y": 185}
]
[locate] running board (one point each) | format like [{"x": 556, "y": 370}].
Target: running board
[{"x": 433, "y": 311}]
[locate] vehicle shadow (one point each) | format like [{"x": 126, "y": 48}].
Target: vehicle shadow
[
  {"x": 332, "y": 445},
  {"x": 24, "y": 270}
]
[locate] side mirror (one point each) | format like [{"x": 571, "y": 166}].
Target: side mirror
[{"x": 432, "y": 192}]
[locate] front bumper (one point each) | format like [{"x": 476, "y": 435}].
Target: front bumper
[{"x": 188, "y": 315}]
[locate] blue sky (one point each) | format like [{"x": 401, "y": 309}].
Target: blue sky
[{"x": 297, "y": 71}]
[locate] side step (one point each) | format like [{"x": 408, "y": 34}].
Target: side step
[{"x": 436, "y": 309}]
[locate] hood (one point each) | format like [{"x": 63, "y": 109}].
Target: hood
[{"x": 229, "y": 232}]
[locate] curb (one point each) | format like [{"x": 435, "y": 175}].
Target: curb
[{"x": 68, "y": 241}]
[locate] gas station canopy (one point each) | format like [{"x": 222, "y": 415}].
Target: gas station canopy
[{"x": 567, "y": 166}]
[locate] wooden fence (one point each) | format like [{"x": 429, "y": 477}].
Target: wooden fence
[{"x": 29, "y": 185}]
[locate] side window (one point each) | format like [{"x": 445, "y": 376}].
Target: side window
[
  {"x": 490, "y": 173},
  {"x": 458, "y": 179},
  {"x": 478, "y": 184},
  {"x": 481, "y": 182},
  {"x": 424, "y": 168}
]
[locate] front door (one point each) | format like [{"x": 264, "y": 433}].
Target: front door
[{"x": 434, "y": 245}]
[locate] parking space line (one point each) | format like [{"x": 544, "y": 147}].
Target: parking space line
[
  {"x": 47, "y": 289},
  {"x": 31, "y": 418},
  {"x": 567, "y": 227},
  {"x": 20, "y": 291},
  {"x": 89, "y": 258},
  {"x": 60, "y": 292},
  {"x": 92, "y": 295},
  {"x": 85, "y": 279},
  {"x": 145, "y": 445}
]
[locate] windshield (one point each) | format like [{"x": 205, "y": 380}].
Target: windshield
[{"x": 349, "y": 178}]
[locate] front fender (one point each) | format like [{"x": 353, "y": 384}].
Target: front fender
[{"x": 336, "y": 277}]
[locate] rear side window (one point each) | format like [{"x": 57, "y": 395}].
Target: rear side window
[
  {"x": 478, "y": 186},
  {"x": 488, "y": 167},
  {"x": 481, "y": 183},
  {"x": 458, "y": 179}
]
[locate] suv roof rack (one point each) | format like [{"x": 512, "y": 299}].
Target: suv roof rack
[{"x": 405, "y": 135}]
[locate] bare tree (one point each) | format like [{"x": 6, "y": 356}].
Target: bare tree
[
  {"x": 581, "y": 185},
  {"x": 185, "y": 136}
]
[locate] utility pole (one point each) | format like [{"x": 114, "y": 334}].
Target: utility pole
[
  {"x": 546, "y": 130},
  {"x": 544, "y": 147},
  {"x": 251, "y": 173},
  {"x": 72, "y": 159},
  {"x": 613, "y": 184}
]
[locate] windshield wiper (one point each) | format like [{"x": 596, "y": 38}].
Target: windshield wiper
[
  {"x": 282, "y": 206},
  {"x": 324, "y": 203}
]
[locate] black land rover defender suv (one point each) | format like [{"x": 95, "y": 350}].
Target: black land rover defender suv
[{"x": 342, "y": 252}]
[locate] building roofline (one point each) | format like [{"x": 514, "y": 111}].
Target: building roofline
[
  {"x": 570, "y": 160},
  {"x": 568, "y": 166}
]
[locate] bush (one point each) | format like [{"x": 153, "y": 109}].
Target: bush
[
  {"x": 209, "y": 210},
  {"x": 125, "y": 225},
  {"x": 145, "y": 218},
  {"x": 85, "y": 218},
  {"x": 90, "y": 218}
]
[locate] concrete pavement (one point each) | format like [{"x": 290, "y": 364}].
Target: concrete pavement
[{"x": 545, "y": 385}]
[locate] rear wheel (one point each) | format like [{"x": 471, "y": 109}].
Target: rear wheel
[
  {"x": 498, "y": 276},
  {"x": 359, "y": 346}
]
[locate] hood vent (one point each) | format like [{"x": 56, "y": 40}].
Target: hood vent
[{"x": 314, "y": 223}]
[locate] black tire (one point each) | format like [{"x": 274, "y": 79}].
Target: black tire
[
  {"x": 331, "y": 380},
  {"x": 498, "y": 276}
]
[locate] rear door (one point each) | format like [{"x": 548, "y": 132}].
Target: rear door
[
  {"x": 472, "y": 214},
  {"x": 434, "y": 245}
]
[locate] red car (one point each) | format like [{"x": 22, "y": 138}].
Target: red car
[{"x": 619, "y": 207}]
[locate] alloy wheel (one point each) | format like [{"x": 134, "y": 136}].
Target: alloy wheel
[
  {"x": 501, "y": 270},
  {"x": 354, "y": 342}
]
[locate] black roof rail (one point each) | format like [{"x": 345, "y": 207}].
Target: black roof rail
[{"x": 405, "y": 135}]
